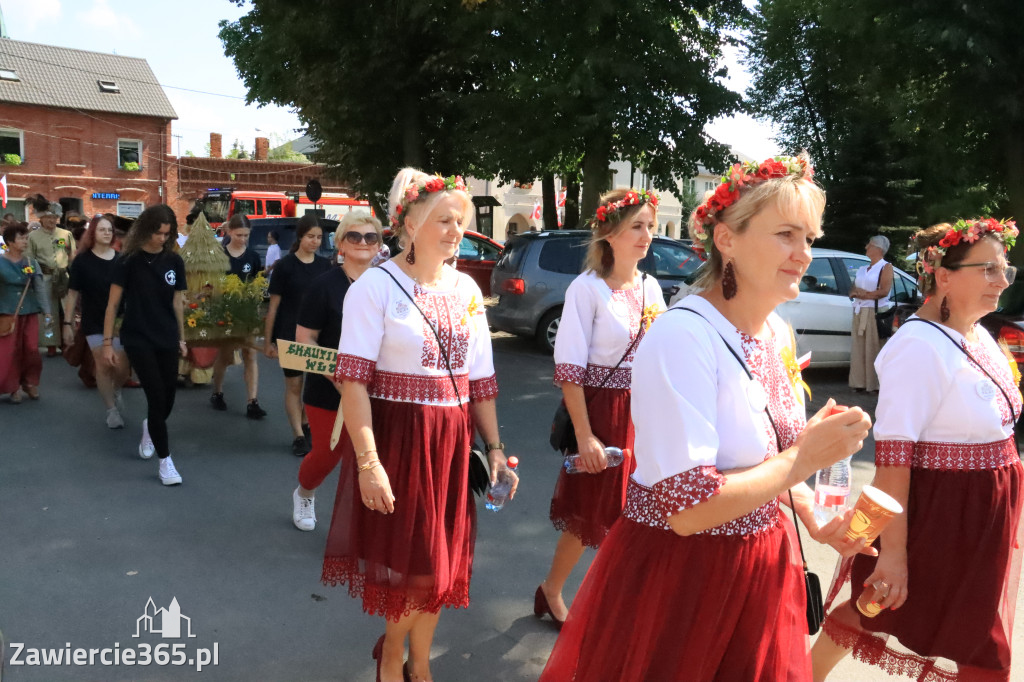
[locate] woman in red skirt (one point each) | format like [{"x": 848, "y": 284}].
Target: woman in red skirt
[
  {"x": 607, "y": 310},
  {"x": 417, "y": 376},
  {"x": 699, "y": 580},
  {"x": 946, "y": 574}
]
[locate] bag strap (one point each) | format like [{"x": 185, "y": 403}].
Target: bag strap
[
  {"x": 775, "y": 429},
  {"x": 28, "y": 281},
  {"x": 440, "y": 344},
  {"x": 970, "y": 357}
]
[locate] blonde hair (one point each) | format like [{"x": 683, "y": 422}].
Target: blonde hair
[
  {"x": 422, "y": 206},
  {"x": 600, "y": 258},
  {"x": 792, "y": 190}
]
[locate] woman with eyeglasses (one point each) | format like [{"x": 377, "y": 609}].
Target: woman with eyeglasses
[
  {"x": 293, "y": 275},
  {"x": 945, "y": 577},
  {"x": 870, "y": 295},
  {"x": 358, "y": 240}
]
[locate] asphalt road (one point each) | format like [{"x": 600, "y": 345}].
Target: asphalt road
[{"x": 88, "y": 535}]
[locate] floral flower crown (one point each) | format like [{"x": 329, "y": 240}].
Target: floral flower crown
[
  {"x": 969, "y": 231},
  {"x": 417, "y": 190},
  {"x": 635, "y": 197},
  {"x": 728, "y": 191}
]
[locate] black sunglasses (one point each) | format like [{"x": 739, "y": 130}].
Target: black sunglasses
[{"x": 370, "y": 238}]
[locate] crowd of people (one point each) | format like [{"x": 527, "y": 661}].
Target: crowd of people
[{"x": 704, "y": 399}]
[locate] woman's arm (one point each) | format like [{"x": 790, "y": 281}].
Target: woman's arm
[
  {"x": 485, "y": 416},
  {"x": 590, "y": 447},
  {"x": 268, "y": 326},
  {"x": 891, "y": 567},
  {"x": 68, "y": 330},
  {"x": 374, "y": 486},
  {"x": 41, "y": 294},
  {"x": 113, "y": 301},
  {"x": 179, "y": 314}
]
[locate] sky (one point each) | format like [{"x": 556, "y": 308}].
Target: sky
[{"x": 183, "y": 50}]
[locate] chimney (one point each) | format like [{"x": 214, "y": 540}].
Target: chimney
[
  {"x": 262, "y": 149},
  {"x": 215, "y": 149}
]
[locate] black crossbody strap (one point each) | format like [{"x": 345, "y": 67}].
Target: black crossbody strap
[
  {"x": 440, "y": 344},
  {"x": 778, "y": 440},
  {"x": 973, "y": 360}
]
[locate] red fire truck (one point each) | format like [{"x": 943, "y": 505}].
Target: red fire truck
[{"x": 219, "y": 204}]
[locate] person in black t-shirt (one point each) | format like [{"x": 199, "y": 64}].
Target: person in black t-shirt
[
  {"x": 292, "y": 276},
  {"x": 245, "y": 264},
  {"x": 358, "y": 240},
  {"x": 92, "y": 271},
  {"x": 150, "y": 278}
]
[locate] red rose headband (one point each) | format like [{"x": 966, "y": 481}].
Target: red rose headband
[
  {"x": 728, "y": 192},
  {"x": 416, "y": 191},
  {"x": 635, "y": 197},
  {"x": 967, "y": 231}
]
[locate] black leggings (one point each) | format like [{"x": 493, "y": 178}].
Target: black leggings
[{"x": 158, "y": 373}]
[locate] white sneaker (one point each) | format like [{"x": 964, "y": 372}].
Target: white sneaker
[
  {"x": 114, "y": 420},
  {"x": 168, "y": 474},
  {"x": 303, "y": 512},
  {"x": 146, "y": 447}
]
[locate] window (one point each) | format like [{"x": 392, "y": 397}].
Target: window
[
  {"x": 472, "y": 249},
  {"x": 562, "y": 255},
  {"x": 108, "y": 86},
  {"x": 259, "y": 207},
  {"x": 129, "y": 151},
  {"x": 12, "y": 142},
  {"x": 512, "y": 254},
  {"x": 669, "y": 259},
  {"x": 274, "y": 207},
  {"x": 130, "y": 209},
  {"x": 245, "y": 207},
  {"x": 819, "y": 278},
  {"x": 710, "y": 186},
  {"x": 9, "y": 75}
]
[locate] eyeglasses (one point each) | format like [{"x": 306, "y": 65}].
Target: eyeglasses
[
  {"x": 992, "y": 270},
  {"x": 370, "y": 238}
]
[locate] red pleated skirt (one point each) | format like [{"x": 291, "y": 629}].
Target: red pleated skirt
[
  {"x": 421, "y": 556},
  {"x": 587, "y": 505},
  {"x": 658, "y": 606},
  {"x": 963, "y": 563}
]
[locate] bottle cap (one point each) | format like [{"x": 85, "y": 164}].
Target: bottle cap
[
  {"x": 513, "y": 462},
  {"x": 626, "y": 452},
  {"x": 838, "y": 409}
]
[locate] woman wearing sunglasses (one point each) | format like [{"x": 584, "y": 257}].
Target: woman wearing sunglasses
[
  {"x": 358, "y": 240},
  {"x": 946, "y": 572}
]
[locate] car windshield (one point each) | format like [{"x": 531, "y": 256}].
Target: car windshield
[
  {"x": 512, "y": 255},
  {"x": 216, "y": 210}
]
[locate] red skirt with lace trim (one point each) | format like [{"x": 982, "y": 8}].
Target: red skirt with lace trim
[
  {"x": 963, "y": 563},
  {"x": 658, "y": 606},
  {"x": 421, "y": 556},
  {"x": 587, "y": 505}
]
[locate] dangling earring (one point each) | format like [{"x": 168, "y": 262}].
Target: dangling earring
[
  {"x": 729, "y": 281},
  {"x": 410, "y": 257},
  {"x": 944, "y": 310}
]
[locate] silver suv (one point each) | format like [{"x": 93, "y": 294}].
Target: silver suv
[{"x": 535, "y": 269}]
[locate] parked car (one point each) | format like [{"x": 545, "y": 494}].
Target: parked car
[
  {"x": 285, "y": 227},
  {"x": 535, "y": 269},
  {"x": 822, "y": 314},
  {"x": 477, "y": 255}
]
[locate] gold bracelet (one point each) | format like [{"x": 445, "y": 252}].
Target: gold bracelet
[
  {"x": 373, "y": 464},
  {"x": 364, "y": 453}
]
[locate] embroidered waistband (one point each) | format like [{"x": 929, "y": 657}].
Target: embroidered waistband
[
  {"x": 965, "y": 456},
  {"x": 645, "y": 505},
  {"x": 593, "y": 375}
]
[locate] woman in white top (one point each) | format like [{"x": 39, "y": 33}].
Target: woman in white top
[
  {"x": 404, "y": 519},
  {"x": 607, "y": 310},
  {"x": 700, "y": 569},
  {"x": 870, "y": 294},
  {"x": 946, "y": 573}
]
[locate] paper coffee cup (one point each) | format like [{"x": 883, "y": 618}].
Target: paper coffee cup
[
  {"x": 872, "y": 513},
  {"x": 869, "y": 602}
]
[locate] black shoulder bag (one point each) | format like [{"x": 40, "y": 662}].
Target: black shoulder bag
[
  {"x": 812, "y": 586},
  {"x": 479, "y": 469},
  {"x": 976, "y": 364},
  {"x": 884, "y": 320},
  {"x": 563, "y": 433}
]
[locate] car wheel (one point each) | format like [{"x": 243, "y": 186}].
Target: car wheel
[{"x": 548, "y": 329}]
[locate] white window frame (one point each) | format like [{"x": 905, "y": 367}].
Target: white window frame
[
  {"x": 121, "y": 140},
  {"x": 710, "y": 185},
  {"x": 20, "y": 134},
  {"x": 130, "y": 205}
]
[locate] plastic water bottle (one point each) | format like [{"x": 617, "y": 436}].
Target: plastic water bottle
[
  {"x": 48, "y": 331},
  {"x": 831, "y": 491},
  {"x": 573, "y": 463},
  {"x": 497, "y": 496}
]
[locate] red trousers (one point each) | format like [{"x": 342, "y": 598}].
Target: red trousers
[
  {"x": 20, "y": 362},
  {"x": 321, "y": 460}
]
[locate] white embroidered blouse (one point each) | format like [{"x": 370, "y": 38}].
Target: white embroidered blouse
[
  {"x": 936, "y": 408},
  {"x": 386, "y": 343},
  {"x": 597, "y": 326},
  {"x": 697, "y": 413}
]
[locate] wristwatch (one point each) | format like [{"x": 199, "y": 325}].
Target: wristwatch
[{"x": 495, "y": 446}]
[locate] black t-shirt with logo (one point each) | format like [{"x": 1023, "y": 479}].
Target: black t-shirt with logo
[
  {"x": 321, "y": 309},
  {"x": 291, "y": 279},
  {"x": 245, "y": 266},
  {"x": 150, "y": 281},
  {"x": 91, "y": 277}
]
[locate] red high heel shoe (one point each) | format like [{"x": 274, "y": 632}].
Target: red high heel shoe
[
  {"x": 541, "y": 606},
  {"x": 378, "y": 655}
]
